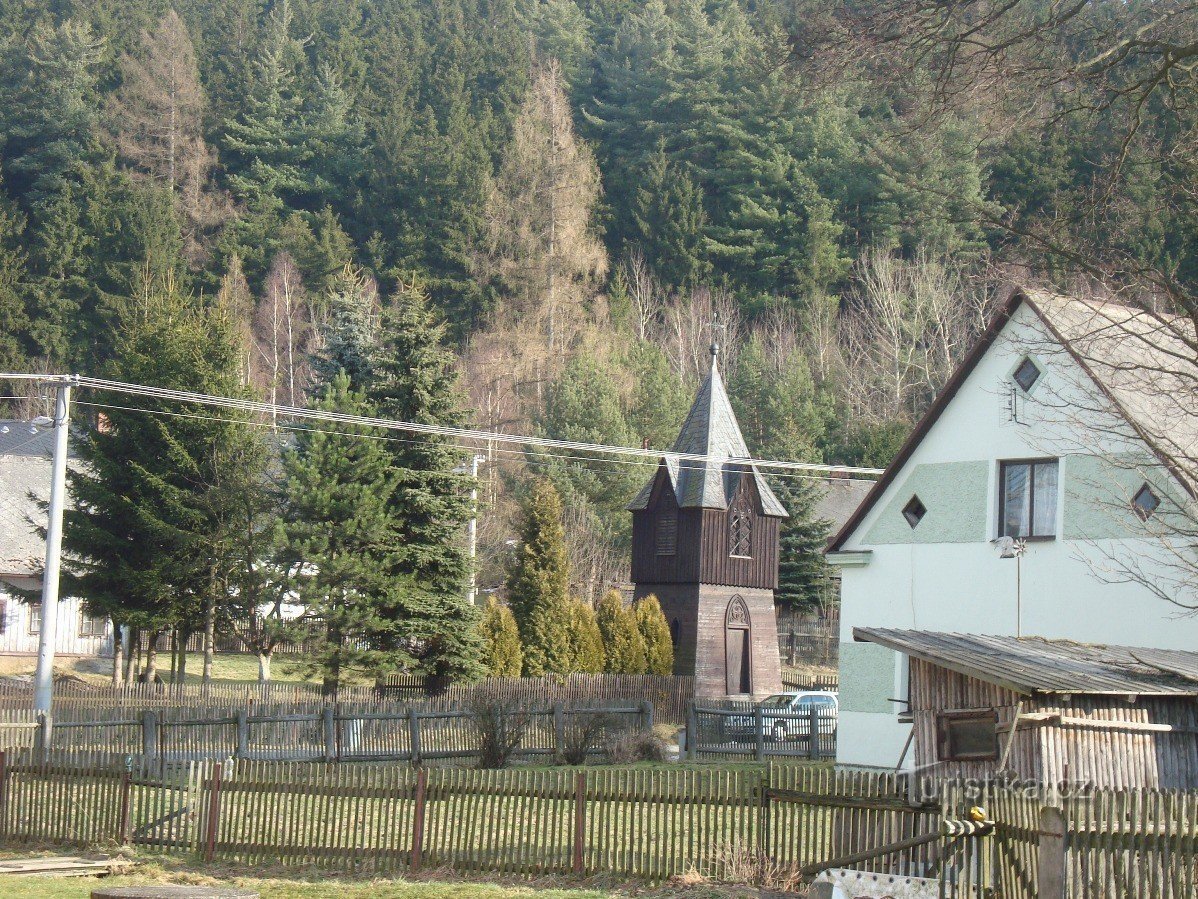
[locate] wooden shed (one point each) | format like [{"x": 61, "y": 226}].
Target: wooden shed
[{"x": 1048, "y": 711}]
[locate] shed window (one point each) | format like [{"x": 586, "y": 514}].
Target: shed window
[
  {"x": 1027, "y": 502},
  {"x": 1027, "y": 374},
  {"x": 1145, "y": 502},
  {"x": 914, "y": 511},
  {"x": 667, "y": 534},
  {"x": 967, "y": 736}
]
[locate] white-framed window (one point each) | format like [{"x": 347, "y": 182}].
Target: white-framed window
[{"x": 91, "y": 625}]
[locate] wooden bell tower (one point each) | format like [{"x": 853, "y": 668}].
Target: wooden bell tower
[{"x": 705, "y": 541}]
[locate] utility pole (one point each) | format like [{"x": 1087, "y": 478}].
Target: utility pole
[
  {"x": 43, "y": 679},
  {"x": 473, "y": 530}
]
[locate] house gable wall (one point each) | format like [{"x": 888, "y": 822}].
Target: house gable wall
[{"x": 937, "y": 580}]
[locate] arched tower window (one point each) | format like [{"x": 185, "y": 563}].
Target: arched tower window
[
  {"x": 740, "y": 526},
  {"x": 738, "y": 647}
]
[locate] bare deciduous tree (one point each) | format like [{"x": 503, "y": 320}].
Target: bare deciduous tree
[
  {"x": 907, "y": 325},
  {"x": 283, "y": 335},
  {"x": 542, "y": 243}
]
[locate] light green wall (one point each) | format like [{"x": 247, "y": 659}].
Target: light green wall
[
  {"x": 866, "y": 677},
  {"x": 954, "y": 494},
  {"x": 1098, "y": 491}
]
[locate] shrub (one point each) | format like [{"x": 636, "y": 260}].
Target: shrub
[
  {"x": 636, "y": 746},
  {"x": 500, "y": 725},
  {"x": 623, "y": 645},
  {"x": 583, "y": 733},
  {"x": 655, "y": 631},
  {"x": 586, "y": 643},
  {"x": 501, "y": 641}
]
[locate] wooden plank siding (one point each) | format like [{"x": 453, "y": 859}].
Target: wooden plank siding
[
  {"x": 1102, "y": 741},
  {"x": 702, "y": 553}
]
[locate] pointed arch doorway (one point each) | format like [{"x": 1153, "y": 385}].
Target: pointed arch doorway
[{"x": 738, "y": 647}]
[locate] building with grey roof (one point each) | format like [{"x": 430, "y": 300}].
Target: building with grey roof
[{"x": 26, "y": 451}]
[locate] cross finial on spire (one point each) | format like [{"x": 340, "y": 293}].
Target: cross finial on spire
[{"x": 717, "y": 328}]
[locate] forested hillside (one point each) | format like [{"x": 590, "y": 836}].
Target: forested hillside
[{"x": 576, "y": 188}]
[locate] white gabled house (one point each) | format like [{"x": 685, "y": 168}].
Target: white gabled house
[{"x": 1062, "y": 429}]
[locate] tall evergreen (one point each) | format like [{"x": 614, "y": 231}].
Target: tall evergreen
[
  {"x": 338, "y": 538},
  {"x": 502, "y": 653},
  {"x": 151, "y": 531},
  {"x": 802, "y": 571},
  {"x": 538, "y": 585},
  {"x": 585, "y": 639},
  {"x": 413, "y": 378},
  {"x": 655, "y": 631},
  {"x": 623, "y": 645}
]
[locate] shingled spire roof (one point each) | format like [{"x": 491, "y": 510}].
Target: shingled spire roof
[{"x": 710, "y": 430}]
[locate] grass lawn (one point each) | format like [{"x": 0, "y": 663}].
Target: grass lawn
[
  {"x": 321, "y": 886},
  {"x": 231, "y": 668},
  {"x": 81, "y": 887}
]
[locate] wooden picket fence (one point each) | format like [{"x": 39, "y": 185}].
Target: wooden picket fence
[
  {"x": 344, "y": 732},
  {"x": 670, "y": 695},
  {"x": 647, "y": 823}
]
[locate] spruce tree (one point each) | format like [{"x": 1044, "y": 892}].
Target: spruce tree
[
  {"x": 586, "y": 642},
  {"x": 623, "y": 646},
  {"x": 538, "y": 585},
  {"x": 414, "y": 378},
  {"x": 338, "y": 538},
  {"x": 655, "y": 631},
  {"x": 351, "y": 332},
  {"x": 502, "y": 653},
  {"x": 151, "y": 533},
  {"x": 802, "y": 571}
]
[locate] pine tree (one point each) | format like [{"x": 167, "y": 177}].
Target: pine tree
[
  {"x": 538, "y": 585},
  {"x": 655, "y": 631},
  {"x": 50, "y": 114},
  {"x": 586, "y": 642},
  {"x": 542, "y": 242},
  {"x": 338, "y": 538},
  {"x": 502, "y": 653},
  {"x": 623, "y": 646},
  {"x": 14, "y": 321}
]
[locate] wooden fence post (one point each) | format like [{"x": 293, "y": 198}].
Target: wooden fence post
[
  {"x": 123, "y": 834},
  {"x": 213, "y": 812},
  {"x": 559, "y": 727},
  {"x": 580, "y": 819},
  {"x": 414, "y": 735},
  {"x": 3, "y": 792},
  {"x": 330, "y": 734},
  {"x": 243, "y": 735},
  {"x": 1051, "y": 854},
  {"x": 759, "y": 732},
  {"x": 149, "y": 735},
  {"x": 692, "y": 731},
  {"x": 813, "y": 747},
  {"x": 646, "y": 714},
  {"x": 418, "y": 819}
]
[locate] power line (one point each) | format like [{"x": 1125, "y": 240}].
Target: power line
[
  {"x": 274, "y": 410},
  {"x": 539, "y": 458}
]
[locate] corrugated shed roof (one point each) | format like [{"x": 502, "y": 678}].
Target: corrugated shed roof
[
  {"x": 711, "y": 430},
  {"x": 1036, "y": 665}
]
